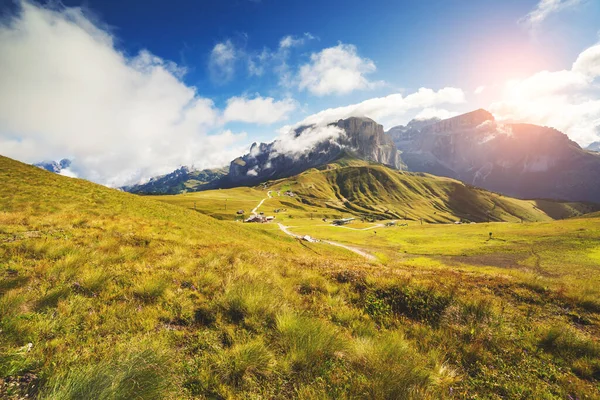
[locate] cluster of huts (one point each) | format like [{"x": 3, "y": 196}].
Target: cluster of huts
[{"x": 260, "y": 218}]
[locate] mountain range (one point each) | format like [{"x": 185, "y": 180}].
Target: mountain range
[
  {"x": 594, "y": 147},
  {"x": 362, "y": 137},
  {"x": 519, "y": 160},
  {"x": 181, "y": 180},
  {"x": 54, "y": 166}
]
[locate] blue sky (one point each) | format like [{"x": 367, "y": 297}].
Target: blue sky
[
  {"x": 414, "y": 44},
  {"x": 239, "y": 70}
]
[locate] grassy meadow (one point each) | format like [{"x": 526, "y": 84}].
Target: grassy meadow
[{"x": 109, "y": 295}]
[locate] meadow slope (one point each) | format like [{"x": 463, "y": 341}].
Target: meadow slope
[{"x": 106, "y": 294}]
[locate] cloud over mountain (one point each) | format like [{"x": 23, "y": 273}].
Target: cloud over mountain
[
  {"x": 390, "y": 109},
  {"x": 566, "y": 100},
  {"x": 67, "y": 91}
]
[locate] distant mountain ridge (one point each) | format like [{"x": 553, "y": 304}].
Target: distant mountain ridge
[
  {"x": 54, "y": 166},
  {"x": 594, "y": 147},
  {"x": 520, "y": 160},
  {"x": 361, "y": 137},
  {"x": 179, "y": 181}
]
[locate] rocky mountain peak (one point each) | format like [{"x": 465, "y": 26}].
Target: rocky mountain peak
[
  {"x": 461, "y": 122},
  {"x": 594, "y": 147},
  {"x": 360, "y": 136},
  {"x": 54, "y": 166}
]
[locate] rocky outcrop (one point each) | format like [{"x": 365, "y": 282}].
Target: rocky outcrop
[
  {"x": 179, "y": 181},
  {"x": 594, "y": 147},
  {"x": 360, "y": 137},
  {"x": 521, "y": 160},
  {"x": 54, "y": 166}
]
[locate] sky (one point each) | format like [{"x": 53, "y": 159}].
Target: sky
[{"x": 131, "y": 89}]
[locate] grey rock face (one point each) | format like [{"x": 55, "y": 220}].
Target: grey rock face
[
  {"x": 594, "y": 147},
  {"x": 54, "y": 166},
  {"x": 521, "y": 160},
  {"x": 360, "y": 137}
]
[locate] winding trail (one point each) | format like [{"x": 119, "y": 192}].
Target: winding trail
[
  {"x": 356, "y": 229},
  {"x": 253, "y": 212},
  {"x": 366, "y": 255},
  {"x": 285, "y": 230}
]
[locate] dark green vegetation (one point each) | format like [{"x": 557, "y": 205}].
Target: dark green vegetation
[
  {"x": 181, "y": 180},
  {"x": 105, "y": 294}
]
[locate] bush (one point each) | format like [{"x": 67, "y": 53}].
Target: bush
[{"x": 425, "y": 304}]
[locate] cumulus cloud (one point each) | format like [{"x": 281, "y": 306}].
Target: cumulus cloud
[
  {"x": 65, "y": 91},
  {"x": 222, "y": 62},
  {"x": 293, "y": 144},
  {"x": 544, "y": 9},
  {"x": 259, "y": 110},
  {"x": 390, "y": 109},
  {"x": 336, "y": 70},
  {"x": 566, "y": 100},
  {"x": 432, "y": 112},
  {"x": 479, "y": 90}
]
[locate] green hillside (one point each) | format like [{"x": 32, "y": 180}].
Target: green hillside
[
  {"x": 384, "y": 193},
  {"x": 105, "y": 294},
  {"x": 355, "y": 188}
]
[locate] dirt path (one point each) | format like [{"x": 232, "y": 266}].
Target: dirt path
[
  {"x": 366, "y": 255},
  {"x": 355, "y": 229},
  {"x": 253, "y": 212}
]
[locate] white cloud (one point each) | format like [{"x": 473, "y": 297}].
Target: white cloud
[
  {"x": 479, "y": 90},
  {"x": 432, "y": 112},
  {"x": 257, "y": 63},
  {"x": 336, "y": 70},
  {"x": 259, "y": 110},
  {"x": 289, "y": 41},
  {"x": 566, "y": 100},
  {"x": 222, "y": 62},
  {"x": 291, "y": 144},
  {"x": 544, "y": 9},
  {"x": 65, "y": 91},
  {"x": 390, "y": 109}
]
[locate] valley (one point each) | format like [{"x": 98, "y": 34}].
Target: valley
[
  {"x": 312, "y": 200},
  {"x": 108, "y": 292}
]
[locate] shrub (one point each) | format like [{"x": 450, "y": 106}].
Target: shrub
[{"x": 425, "y": 304}]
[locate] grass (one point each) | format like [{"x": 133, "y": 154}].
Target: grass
[{"x": 104, "y": 294}]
